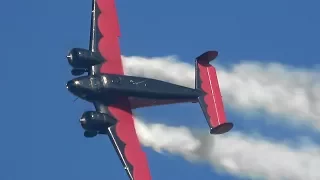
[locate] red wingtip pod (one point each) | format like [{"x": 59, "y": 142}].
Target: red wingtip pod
[{"x": 211, "y": 101}]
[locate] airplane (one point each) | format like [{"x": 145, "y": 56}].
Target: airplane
[{"x": 114, "y": 95}]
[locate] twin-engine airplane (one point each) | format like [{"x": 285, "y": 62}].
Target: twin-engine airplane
[{"x": 114, "y": 94}]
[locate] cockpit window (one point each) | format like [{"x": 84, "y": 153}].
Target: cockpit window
[
  {"x": 99, "y": 116},
  {"x": 104, "y": 80},
  {"x": 95, "y": 83}
]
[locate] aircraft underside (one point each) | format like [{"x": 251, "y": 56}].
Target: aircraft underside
[{"x": 114, "y": 95}]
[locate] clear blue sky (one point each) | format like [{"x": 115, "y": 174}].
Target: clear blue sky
[{"x": 40, "y": 134}]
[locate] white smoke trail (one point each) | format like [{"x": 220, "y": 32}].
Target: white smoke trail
[
  {"x": 273, "y": 88},
  {"x": 235, "y": 153}
]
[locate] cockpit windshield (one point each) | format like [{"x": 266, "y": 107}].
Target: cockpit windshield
[{"x": 95, "y": 83}]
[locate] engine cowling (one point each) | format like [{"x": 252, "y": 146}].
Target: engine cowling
[
  {"x": 83, "y": 59},
  {"x": 93, "y": 121}
]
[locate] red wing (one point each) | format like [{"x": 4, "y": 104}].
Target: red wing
[
  {"x": 104, "y": 36},
  {"x": 125, "y": 140},
  {"x": 104, "y": 39}
]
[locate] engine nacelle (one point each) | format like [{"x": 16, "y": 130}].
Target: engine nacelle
[
  {"x": 83, "y": 59},
  {"x": 93, "y": 121}
]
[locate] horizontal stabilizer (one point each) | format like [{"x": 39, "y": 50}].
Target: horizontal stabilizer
[{"x": 211, "y": 101}]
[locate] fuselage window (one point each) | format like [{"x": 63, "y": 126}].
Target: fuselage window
[{"x": 116, "y": 80}]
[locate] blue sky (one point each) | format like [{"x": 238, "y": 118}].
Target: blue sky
[{"x": 40, "y": 134}]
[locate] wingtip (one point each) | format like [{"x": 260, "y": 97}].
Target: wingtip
[
  {"x": 206, "y": 57},
  {"x": 222, "y": 128}
]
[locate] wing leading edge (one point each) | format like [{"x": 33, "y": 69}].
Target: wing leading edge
[
  {"x": 104, "y": 36},
  {"x": 125, "y": 140},
  {"x": 104, "y": 40}
]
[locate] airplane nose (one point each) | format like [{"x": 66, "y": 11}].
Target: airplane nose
[
  {"x": 68, "y": 85},
  {"x": 71, "y": 84}
]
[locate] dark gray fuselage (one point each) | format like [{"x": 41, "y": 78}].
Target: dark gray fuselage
[{"x": 106, "y": 87}]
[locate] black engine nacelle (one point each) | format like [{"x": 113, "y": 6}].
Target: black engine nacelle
[
  {"x": 83, "y": 59},
  {"x": 96, "y": 122}
]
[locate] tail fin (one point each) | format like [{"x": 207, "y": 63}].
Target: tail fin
[{"x": 211, "y": 101}]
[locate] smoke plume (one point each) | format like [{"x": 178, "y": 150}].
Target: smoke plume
[
  {"x": 276, "y": 89},
  {"x": 273, "y": 88},
  {"x": 235, "y": 153}
]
